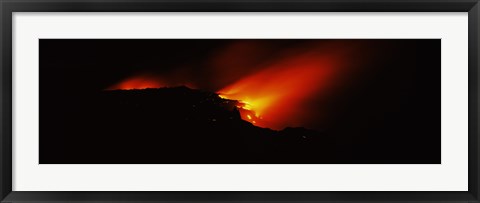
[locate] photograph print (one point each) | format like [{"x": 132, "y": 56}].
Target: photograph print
[{"x": 240, "y": 101}]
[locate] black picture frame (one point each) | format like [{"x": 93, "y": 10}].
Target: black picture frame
[{"x": 7, "y": 7}]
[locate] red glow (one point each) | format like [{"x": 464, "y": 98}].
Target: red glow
[
  {"x": 138, "y": 82},
  {"x": 273, "y": 96},
  {"x": 237, "y": 60}
]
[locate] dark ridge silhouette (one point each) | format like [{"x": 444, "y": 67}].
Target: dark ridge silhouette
[{"x": 180, "y": 125}]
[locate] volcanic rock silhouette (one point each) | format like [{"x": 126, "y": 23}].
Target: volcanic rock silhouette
[{"x": 183, "y": 125}]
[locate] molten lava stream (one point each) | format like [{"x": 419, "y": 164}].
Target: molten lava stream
[{"x": 248, "y": 114}]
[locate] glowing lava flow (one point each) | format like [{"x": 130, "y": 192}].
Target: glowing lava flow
[{"x": 246, "y": 112}]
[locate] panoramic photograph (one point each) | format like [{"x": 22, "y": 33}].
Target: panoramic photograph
[{"x": 240, "y": 101}]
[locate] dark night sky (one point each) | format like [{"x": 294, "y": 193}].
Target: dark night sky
[
  {"x": 86, "y": 65},
  {"x": 105, "y": 62}
]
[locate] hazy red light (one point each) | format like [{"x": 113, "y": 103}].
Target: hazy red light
[
  {"x": 139, "y": 82},
  {"x": 273, "y": 96}
]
